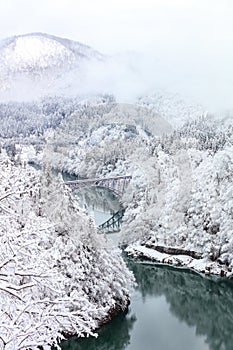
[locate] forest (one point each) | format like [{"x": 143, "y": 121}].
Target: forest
[{"x": 179, "y": 200}]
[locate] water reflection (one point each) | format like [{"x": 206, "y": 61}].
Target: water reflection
[
  {"x": 205, "y": 304},
  {"x": 171, "y": 310}
]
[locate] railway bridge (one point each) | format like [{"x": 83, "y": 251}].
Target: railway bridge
[{"x": 117, "y": 184}]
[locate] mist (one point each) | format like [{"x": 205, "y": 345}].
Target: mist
[{"x": 177, "y": 46}]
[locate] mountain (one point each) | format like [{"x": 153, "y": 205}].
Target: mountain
[
  {"x": 38, "y": 51},
  {"x": 40, "y": 57}
]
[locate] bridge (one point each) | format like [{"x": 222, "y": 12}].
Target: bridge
[
  {"x": 117, "y": 184},
  {"x": 113, "y": 224}
]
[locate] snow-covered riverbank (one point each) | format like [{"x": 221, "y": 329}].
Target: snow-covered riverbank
[{"x": 202, "y": 265}]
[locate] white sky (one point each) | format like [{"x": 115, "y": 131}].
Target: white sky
[
  {"x": 113, "y": 25},
  {"x": 189, "y": 40}
]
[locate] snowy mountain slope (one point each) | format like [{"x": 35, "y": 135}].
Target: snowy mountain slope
[{"x": 38, "y": 51}]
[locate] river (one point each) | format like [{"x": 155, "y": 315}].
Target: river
[{"x": 171, "y": 309}]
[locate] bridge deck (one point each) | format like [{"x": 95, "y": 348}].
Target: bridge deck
[{"x": 105, "y": 179}]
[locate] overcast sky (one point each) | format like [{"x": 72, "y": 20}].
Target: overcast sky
[
  {"x": 113, "y": 25},
  {"x": 186, "y": 40}
]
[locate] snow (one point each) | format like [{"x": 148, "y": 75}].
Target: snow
[
  {"x": 39, "y": 51},
  {"x": 153, "y": 254},
  {"x": 57, "y": 276},
  {"x": 35, "y": 51}
]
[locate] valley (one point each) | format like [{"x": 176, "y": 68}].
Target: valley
[{"x": 58, "y": 276}]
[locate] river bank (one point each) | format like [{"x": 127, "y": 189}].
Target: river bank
[{"x": 200, "y": 265}]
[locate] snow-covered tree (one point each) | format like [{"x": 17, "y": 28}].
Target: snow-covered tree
[{"x": 56, "y": 279}]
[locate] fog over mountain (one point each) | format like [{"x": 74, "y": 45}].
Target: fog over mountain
[{"x": 38, "y": 64}]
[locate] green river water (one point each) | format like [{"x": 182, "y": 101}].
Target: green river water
[{"x": 171, "y": 309}]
